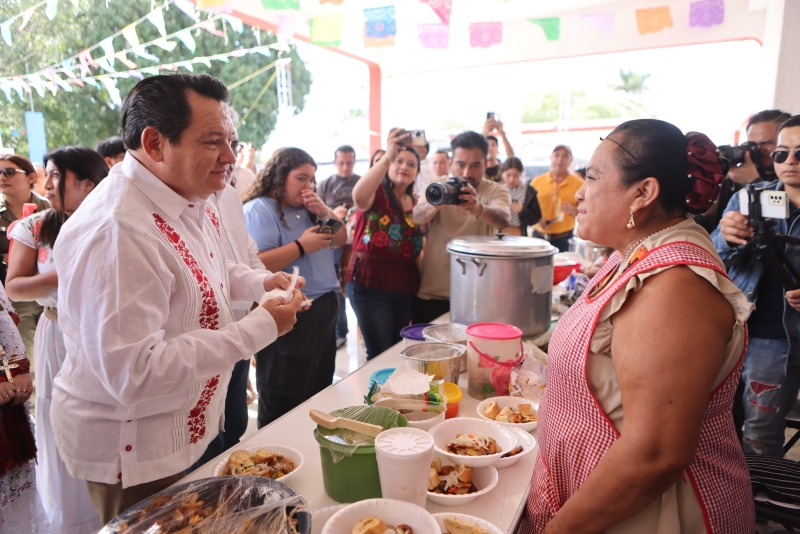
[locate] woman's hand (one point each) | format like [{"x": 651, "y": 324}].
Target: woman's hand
[
  {"x": 397, "y": 137},
  {"x": 24, "y": 385},
  {"x": 793, "y": 297},
  {"x": 516, "y": 206},
  {"x": 313, "y": 242},
  {"x": 7, "y": 392},
  {"x": 314, "y": 204}
]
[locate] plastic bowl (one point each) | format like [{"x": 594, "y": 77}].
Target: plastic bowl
[
  {"x": 561, "y": 272},
  {"x": 442, "y": 360},
  {"x": 293, "y": 454},
  {"x": 453, "y": 394},
  {"x": 482, "y": 523},
  {"x": 424, "y": 420},
  {"x": 391, "y": 511},
  {"x": 445, "y": 432},
  {"x": 484, "y": 478},
  {"x": 381, "y": 376},
  {"x": 321, "y": 516},
  {"x": 510, "y": 402},
  {"x": 528, "y": 444}
]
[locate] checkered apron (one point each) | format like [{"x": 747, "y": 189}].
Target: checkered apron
[{"x": 574, "y": 433}]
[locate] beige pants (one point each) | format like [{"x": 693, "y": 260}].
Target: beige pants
[{"x": 110, "y": 500}]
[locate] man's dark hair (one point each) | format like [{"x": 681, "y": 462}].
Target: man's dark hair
[
  {"x": 346, "y": 149},
  {"x": 493, "y": 138},
  {"x": 427, "y": 147},
  {"x": 445, "y": 152},
  {"x": 163, "y": 103},
  {"x": 789, "y": 123},
  {"x": 768, "y": 115},
  {"x": 111, "y": 147},
  {"x": 469, "y": 140}
]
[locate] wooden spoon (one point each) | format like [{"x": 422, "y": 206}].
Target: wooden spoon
[{"x": 330, "y": 422}]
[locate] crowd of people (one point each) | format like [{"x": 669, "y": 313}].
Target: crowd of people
[{"x": 148, "y": 275}]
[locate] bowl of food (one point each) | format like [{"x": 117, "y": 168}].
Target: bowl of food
[
  {"x": 512, "y": 412},
  {"x": 216, "y": 504},
  {"x": 454, "y": 485},
  {"x": 441, "y": 360},
  {"x": 472, "y": 442},
  {"x": 277, "y": 462},
  {"x": 464, "y": 524},
  {"x": 384, "y": 516},
  {"x": 321, "y": 516},
  {"x": 525, "y": 445},
  {"x": 448, "y": 333}
]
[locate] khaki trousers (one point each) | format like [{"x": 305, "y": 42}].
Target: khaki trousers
[{"x": 110, "y": 500}]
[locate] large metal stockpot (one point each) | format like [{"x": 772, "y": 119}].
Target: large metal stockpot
[{"x": 502, "y": 280}]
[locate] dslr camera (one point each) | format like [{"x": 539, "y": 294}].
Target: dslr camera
[
  {"x": 735, "y": 154},
  {"x": 448, "y": 192}
]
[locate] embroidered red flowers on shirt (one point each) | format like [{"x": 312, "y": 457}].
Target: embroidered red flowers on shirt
[
  {"x": 214, "y": 219},
  {"x": 43, "y": 255},
  {"x": 209, "y": 319}
]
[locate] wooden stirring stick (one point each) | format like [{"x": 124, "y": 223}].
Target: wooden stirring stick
[{"x": 331, "y": 422}]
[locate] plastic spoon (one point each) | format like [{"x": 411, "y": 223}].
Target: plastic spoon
[{"x": 330, "y": 422}]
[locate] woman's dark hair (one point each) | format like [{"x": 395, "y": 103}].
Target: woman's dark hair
[
  {"x": 388, "y": 186},
  {"x": 650, "y": 147},
  {"x": 86, "y": 164},
  {"x": 372, "y": 158},
  {"x": 271, "y": 181},
  {"x": 163, "y": 103},
  {"x": 512, "y": 163},
  {"x": 21, "y": 162}
]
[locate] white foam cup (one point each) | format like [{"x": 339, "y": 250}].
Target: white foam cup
[{"x": 404, "y": 461}]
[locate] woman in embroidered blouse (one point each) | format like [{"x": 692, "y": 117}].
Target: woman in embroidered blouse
[
  {"x": 72, "y": 173},
  {"x": 282, "y": 214},
  {"x": 659, "y": 333},
  {"x": 383, "y": 275}
]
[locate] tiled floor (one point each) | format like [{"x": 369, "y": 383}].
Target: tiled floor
[{"x": 348, "y": 358}]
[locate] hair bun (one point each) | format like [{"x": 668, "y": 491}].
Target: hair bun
[{"x": 705, "y": 170}]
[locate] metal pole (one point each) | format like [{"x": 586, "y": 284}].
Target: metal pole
[{"x": 30, "y": 93}]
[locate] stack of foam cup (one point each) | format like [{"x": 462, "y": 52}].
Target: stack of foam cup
[{"x": 404, "y": 461}]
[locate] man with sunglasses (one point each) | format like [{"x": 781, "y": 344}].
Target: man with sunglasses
[{"x": 771, "y": 374}]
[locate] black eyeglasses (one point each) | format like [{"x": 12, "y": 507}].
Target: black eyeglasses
[
  {"x": 11, "y": 171},
  {"x": 780, "y": 156}
]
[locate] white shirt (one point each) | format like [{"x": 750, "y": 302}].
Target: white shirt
[
  {"x": 425, "y": 177},
  {"x": 242, "y": 178},
  {"x": 237, "y": 243},
  {"x": 144, "y": 296}
]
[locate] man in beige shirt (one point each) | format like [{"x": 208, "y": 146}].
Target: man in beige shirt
[{"x": 486, "y": 209}]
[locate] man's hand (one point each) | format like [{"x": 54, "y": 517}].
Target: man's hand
[
  {"x": 285, "y": 315},
  {"x": 471, "y": 206},
  {"x": 793, "y": 297},
  {"x": 314, "y": 204},
  {"x": 490, "y": 126},
  {"x": 566, "y": 207},
  {"x": 516, "y": 206},
  {"x": 282, "y": 280},
  {"x": 312, "y": 241},
  {"x": 746, "y": 173},
  {"x": 340, "y": 211},
  {"x": 734, "y": 228}
]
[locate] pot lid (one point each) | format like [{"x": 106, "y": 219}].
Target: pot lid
[{"x": 508, "y": 246}]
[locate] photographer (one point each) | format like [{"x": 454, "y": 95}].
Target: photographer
[
  {"x": 483, "y": 207},
  {"x": 771, "y": 372},
  {"x": 762, "y": 131}
]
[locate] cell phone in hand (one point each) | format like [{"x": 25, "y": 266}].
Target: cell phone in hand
[
  {"x": 418, "y": 138},
  {"x": 329, "y": 226},
  {"x": 493, "y": 116}
]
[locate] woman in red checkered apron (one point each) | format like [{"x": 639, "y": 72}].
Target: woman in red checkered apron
[{"x": 635, "y": 432}]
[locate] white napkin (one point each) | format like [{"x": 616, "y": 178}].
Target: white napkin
[
  {"x": 407, "y": 381},
  {"x": 286, "y": 294}
]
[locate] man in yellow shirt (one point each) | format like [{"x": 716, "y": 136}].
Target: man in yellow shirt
[{"x": 555, "y": 191}]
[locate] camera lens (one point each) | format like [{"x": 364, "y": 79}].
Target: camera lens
[{"x": 434, "y": 194}]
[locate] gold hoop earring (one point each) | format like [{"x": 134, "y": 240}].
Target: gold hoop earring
[{"x": 631, "y": 222}]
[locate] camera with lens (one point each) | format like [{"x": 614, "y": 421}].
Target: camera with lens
[
  {"x": 735, "y": 154},
  {"x": 439, "y": 193}
]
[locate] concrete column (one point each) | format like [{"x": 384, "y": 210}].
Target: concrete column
[{"x": 781, "y": 69}]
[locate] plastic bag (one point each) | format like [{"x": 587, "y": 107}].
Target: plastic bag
[
  {"x": 529, "y": 378},
  {"x": 240, "y": 505},
  {"x": 567, "y": 292},
  {"x": 432, "y": 400},
  {"x": 343, "y": 442}
]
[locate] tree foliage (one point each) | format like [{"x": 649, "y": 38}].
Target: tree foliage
[{"x": 87, "y": 115}]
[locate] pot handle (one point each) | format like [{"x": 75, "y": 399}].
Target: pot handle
[
  {"x": 480, "y": 265},
  {"x": 463, "y": 266}
]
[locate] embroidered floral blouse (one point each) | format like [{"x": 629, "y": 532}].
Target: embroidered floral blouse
[
  {"x": 27, "y": 232},
  {"x": 386, "y": 245}
]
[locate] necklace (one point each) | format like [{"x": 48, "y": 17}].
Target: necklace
[
  {"x": 297, "y": 215},
  {"x": 631, "y": 250}
]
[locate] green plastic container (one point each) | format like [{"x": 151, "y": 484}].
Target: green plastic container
[{"x": 354, "y": 478}]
